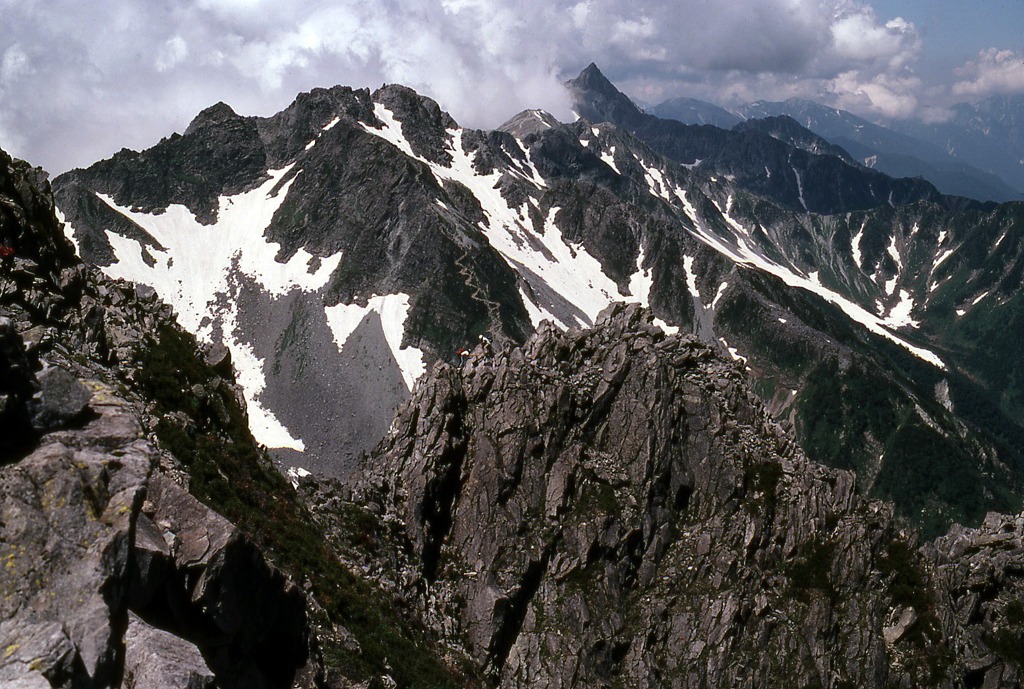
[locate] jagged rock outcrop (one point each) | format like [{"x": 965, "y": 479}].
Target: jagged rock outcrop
[
  {"x": 613, "y": 508},
  {"x": 981, "y": 574},
  {"x": 156, "y": 659},
  {"x": 106, "y": 560}
]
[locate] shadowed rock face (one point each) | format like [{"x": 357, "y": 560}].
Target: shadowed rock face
[
  {"x": 613, "y": 507},
  {"x": 112, "y": 574}
]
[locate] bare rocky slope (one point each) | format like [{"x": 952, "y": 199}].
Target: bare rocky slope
[{"x": 613, "y": 507}]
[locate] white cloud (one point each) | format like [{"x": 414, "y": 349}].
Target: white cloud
[
  {"x": 993, "y": 72},
  {"x": 173, "y": 53},
  {"x": 14, "y": 65},
  {"x": 93, "y": 77},
  {"x": 880, "y": 94},
  {"x": 860, "y": 38}
]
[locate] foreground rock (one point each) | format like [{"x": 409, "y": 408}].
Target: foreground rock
[
  {"x": 613, "y": 507},
  {"x": 111, "y": 573},
  {"x": 87, "y": 521}
]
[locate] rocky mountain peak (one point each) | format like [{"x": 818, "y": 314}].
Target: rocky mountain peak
[
  {"x": 787, "y": 129},
  {"x": 529, "y": 122},
  {"x": 424, "y": 123},
  {"x": 216, "y": 116},
  {"x": 594, "y": 79},
  {"x": 597, "y": 100}
]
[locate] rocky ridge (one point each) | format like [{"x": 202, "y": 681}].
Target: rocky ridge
[
  {"x": 613, "y": 507},
  {"x": 594, "y": 508},
  {"x": 790, "y": 172}
]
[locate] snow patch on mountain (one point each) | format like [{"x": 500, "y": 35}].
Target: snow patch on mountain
[
  {"x": 393, "y": 310},
  {"x": 691, "y": 279},
  {"x": 899, "y": 315},
  {"x": 894, "y": 253},
  {"x": 733, "y": 352},
  {"x": 249, "y": 374},
  {"x": 858, "y": 258},
  {"x": 69, "y": 231},
  {"x": 196, "y": 273},
  {"x": 719, "y": 294},
  {"x": 330, "y": 124},
  {"x": 741, "y": 253},
  {"x": 609, "y": 160},
  {"x": 567, "y": 270},
  {"x": 641, "y": 282},
  {"x": 800, "y": 187},
  {"x": 206, "y": 253},
  {"x": 942, "y": 257},
  {"x": 539, "y": 314}
]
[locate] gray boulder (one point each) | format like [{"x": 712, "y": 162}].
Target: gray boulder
[
  {"x": 155, "y": 659},
  {"x": 62, "y": 399}
]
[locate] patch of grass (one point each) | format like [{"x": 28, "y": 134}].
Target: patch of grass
[
  {"x": 762, "y": 482},
  {"x": 838, "y": 409},
  {"x": 1008, "y": 641},
  {"x": 598, "y": 498},
  {"x": 909, "y": 586}
]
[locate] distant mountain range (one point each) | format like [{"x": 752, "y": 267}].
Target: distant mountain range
[
  {"x": 977, "y": 154},
  {"x": 365, "y": 236}
]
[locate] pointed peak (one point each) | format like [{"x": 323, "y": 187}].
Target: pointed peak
[
  {"x": 529, "y": 122},
  {"x": 596, "y": 99},
  {"x": 216, "y": 114},
  {"x": 592, "y": 77}
]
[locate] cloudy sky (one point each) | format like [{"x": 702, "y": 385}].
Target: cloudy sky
[{"x": 80, "y": 80}]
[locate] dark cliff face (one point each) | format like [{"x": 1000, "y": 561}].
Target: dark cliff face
[{"x": 613, "y": 507}]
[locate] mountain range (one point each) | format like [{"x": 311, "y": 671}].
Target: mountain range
[
  {"x": 976, "y": 153},
  {"x": 870, "y": 311},
  {"x": 623, "y": 401}
]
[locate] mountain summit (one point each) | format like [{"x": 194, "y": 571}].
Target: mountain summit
[{"x": 596, "y": 99}]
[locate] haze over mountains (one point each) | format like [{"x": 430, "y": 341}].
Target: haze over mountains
[{"x": 976, "y": 153}]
